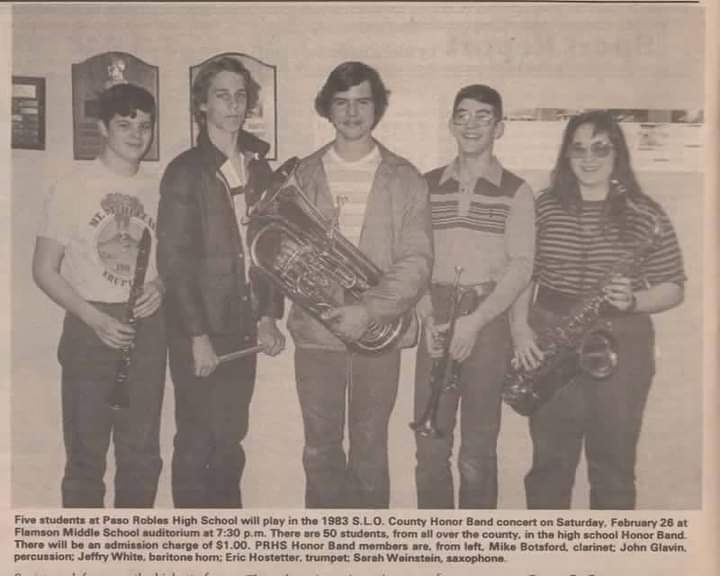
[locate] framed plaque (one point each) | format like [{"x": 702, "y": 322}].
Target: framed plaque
[
  {"x": 28, "y": 113},
  {"x": 89, "y": 79},
  {"x": 260, "y": 120}
]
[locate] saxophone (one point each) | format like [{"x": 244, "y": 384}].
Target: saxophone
[
  {"x": 302, "y": 252},
  {"x": 578, "y": 341}
]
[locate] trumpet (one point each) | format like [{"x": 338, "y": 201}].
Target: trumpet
[{"x": 445, "y": 372}]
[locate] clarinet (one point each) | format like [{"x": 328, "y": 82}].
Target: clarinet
[{"x": 118, "y": 397}]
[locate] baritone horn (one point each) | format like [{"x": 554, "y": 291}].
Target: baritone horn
[{"x": 304, "y": 254}]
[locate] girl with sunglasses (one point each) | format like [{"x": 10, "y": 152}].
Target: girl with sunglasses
[{"x": 593, "y": 214}]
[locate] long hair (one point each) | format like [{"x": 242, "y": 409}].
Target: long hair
[
  {"x": 344, "y": 77},
  {"x": 564, "y": 183},
  {"x": 202, "y": 81}
]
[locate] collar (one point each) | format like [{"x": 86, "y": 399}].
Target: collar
[
  {"x": 386, "y": 155},
  {"x": 493, "y": 174},
  {"x": 313, "y": 163},
  {"x": 250, "y": 145},
  {"x": 235, "y": 181},
  {"x": 372, "y": 156}
]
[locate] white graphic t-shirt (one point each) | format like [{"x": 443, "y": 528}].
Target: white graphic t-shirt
[{"x": 99, "y": 217}]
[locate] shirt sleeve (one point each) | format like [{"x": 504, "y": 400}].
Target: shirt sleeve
[
  {"x": 540, "y": 212},
  {"x": 664, "y": 262},
  {"x": 56, "y": 218},
  {"x": 178, "y": 247},
  {"x": 520, "y": 229},
  {"x": 520, "y": 249},
  {"x": 402, "y": 285}
]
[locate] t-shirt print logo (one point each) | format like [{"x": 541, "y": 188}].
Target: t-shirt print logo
[{"x": 119, "y": 236}]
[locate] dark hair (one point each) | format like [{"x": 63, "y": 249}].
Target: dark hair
[
  {"x": 483, "y": 94},
  {"x": 124, "y": 100},
  {"x": 563, "y": 181},
  {"x": 344, "y": 77},
  {"x": 204, "y": 77}
]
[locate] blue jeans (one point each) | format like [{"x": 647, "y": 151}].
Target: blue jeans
[
  {"x": 605, "y": 415},
  {"x": 478, "y": 394},
  {"x": 324, "y": 379},
  {"x": 211, "y": 417},
  {"x": 88, "y": 375}
]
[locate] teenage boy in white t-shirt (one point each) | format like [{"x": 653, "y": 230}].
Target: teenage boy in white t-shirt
[{"x": 85, "y": 257}]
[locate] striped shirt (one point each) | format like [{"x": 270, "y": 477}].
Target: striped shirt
[
  {"x": 484, "y": 226},
  {"x": 350, "y": 184},
  {"x": 577, "y": 251}
]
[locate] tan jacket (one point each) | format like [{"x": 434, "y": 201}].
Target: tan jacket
[{"x": 396, "y": 235}]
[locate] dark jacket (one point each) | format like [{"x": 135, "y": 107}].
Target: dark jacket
[
  {"x": 396, "y": 236},
  {"x": 200, "y": 252}
]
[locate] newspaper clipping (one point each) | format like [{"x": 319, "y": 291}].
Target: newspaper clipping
[{"x": 516, "y": 201}]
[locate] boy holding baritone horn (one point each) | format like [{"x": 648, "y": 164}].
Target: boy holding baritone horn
[{"x": 385, "y": 215}]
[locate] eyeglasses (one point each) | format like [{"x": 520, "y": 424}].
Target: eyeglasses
[
  {"x": 597, "y": 150},
  {"x": 464, "y": 117}
]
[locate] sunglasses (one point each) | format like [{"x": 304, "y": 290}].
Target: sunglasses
[
  {"x": 597, "y": 150},
  {"x": 464, "y": 117}
]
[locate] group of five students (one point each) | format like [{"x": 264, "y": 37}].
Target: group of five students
[{"x": 204, "y": 299}]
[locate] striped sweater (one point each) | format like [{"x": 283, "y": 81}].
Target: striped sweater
[
  {"x": 485, "y": 227},
  {"x": 575, "y": 250}
]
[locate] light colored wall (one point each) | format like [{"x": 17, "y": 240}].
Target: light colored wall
[{"x": 549, "y": 56}]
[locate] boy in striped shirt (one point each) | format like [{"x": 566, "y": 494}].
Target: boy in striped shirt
[{"x": 483, "y": 222}]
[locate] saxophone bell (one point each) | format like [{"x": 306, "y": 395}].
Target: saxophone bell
[{"x": 597, "y": 354}]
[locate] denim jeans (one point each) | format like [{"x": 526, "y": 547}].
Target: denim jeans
[
  {"x": 211, "y": 417},
  {"x": 88, "y": 376},
  {"x": 478, "y": 394},
  {"x": 605, "y": 415},
  {"x": 325, "y": 378}
]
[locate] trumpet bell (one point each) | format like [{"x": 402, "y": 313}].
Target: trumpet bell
[{"x": 426, "y": 428}]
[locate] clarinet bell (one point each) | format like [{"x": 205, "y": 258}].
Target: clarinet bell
[{"x": 118, "y": 399}]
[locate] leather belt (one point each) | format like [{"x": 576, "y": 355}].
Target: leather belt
[{"x": 482, "y": 289}]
